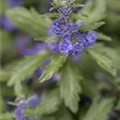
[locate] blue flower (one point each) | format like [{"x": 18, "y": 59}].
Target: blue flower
[
  {"x": 19, "y": 113},
  {"x": 71, "y": 28},
  {"x": 90, "y": 39},
  {"x": 79, "y": 47},
  {"x": 65, "y": 47},
  {"x": 57, "y": 27},
  {"x": 33, "y": 101},
  {"x": 65, "y": 11},
  {"x": 22, "y": 105}
]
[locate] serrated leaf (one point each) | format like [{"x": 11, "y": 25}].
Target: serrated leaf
[
  {"x": 99, "y": 109},
  {"x": 53, "y": 67},
  {"x": 49, "y": 104},
  {"x": 106, "y": 63},
  {"x": 92, "y": 26},
  {"x": 27, "y": 66},
  {"x": 93, "y": 9},
  {"x": 102, "y": 36},
  {"x": 111, "y": 53},
  {"x": 94, "y": 14},
  {"x": 29, "y": 21},
  {"x": 70, "y": 87}
]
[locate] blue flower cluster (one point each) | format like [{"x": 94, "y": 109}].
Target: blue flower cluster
[
  {"x": 23, "y": 105},
  {"x": 73, "y": 41}
]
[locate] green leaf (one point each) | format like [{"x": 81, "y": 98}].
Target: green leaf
[
  {"x": 27, "y": 66},
  {"x": 111, "y": 53},
  {"x": 87, "y": 87},
  {"x": 49, "y": 104},
  {"x": 99, "y": 109},
  {"x": 64, "y": 114},
  {"x": 77, "y": 5},
  {"x": 104, "y": 61},
  {"x": 52, "y": 15},
  {"x": 53, "y": 67},
  {"x": 86, "y": 63},
  {"x": 7, "y": 71},
  {"x": 79, "y": 16},
  {"x": 58, "y": 3},
  {"x": 29, "y": 21},
  {"x": 94, "y": 14},
  {"x": 48, "y": 39},
  {"x": 96, "y": 10},
  {"x": 18, "y": 88},
  {"x": 92, "y": 26},
  {"x": 118, "y": 105},
  {"x": 101, "y": 36},
  {"x": 70, "y": 87},
  {"x": 6, "y": 116}
]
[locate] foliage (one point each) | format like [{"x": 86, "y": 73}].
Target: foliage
[
  {"x": 99, "y": 109},
  {"x": 29, "y": 21},
  {"x": 52, "y": 67},
  {"x": 27, "y": 69},
  {"x": 78, "y": 87},
  {"x": 70, "y": 88}
]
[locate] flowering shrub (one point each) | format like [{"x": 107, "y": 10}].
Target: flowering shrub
[{"x": 60, "y": 60}]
